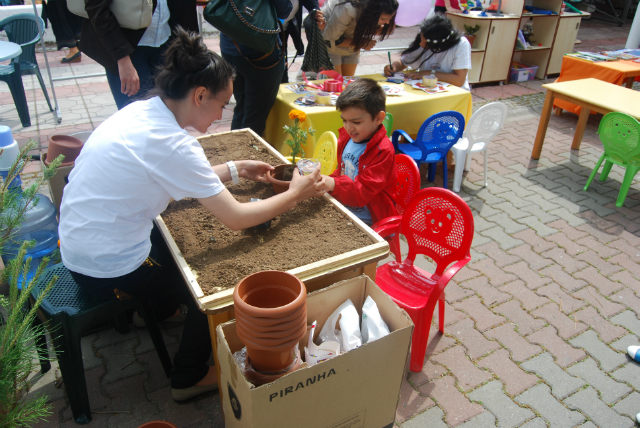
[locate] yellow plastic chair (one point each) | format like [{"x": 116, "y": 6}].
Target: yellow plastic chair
[{"x": 326, "y": 151}]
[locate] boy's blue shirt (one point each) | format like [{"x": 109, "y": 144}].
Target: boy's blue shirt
[{"x": 350, "y": 161}]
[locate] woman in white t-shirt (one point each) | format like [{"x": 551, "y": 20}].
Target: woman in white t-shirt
[
  {"x": 128, "y": 171},
  {"x": 438, "y": 47}
]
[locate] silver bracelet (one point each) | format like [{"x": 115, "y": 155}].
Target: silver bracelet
[{"x": 234, "y": 172}]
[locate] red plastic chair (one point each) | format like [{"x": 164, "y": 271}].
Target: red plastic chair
[
  {"x": 439, "y": 224},
  {"x": 407, "y": 185}
]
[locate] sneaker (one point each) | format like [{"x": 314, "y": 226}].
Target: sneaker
[{"x": 633, "y": 353}]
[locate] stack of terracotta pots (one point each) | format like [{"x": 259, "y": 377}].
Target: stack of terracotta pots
[
  {"x": 271, "y": 318},
  {"x": 65, "y": 145}
]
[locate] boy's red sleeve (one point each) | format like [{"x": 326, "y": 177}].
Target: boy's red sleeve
[{"x": 372, "y": 180}]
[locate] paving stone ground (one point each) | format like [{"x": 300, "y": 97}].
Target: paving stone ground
[{"x": 537, "y": 324}]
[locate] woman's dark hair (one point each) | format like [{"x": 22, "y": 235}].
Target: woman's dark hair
[
  {"x": 364, "y": 94},
  {"x": 439, "y": 33},
  {"x": 188, "y": 63},
  {"x": 367, "y": 24}
]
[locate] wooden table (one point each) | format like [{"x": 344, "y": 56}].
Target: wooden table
[
  {"x": 591, "y": 95},
  {"x": 321, "y": 274},
  {"x": 409, "y": 113},
  {"x": 616, "y": 72}
]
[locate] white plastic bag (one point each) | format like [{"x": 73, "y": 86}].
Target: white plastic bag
[
  {"x": 373, "y": 326},
  {"x": 317, "y": 354},
  {"x": 349, "y": 335}
]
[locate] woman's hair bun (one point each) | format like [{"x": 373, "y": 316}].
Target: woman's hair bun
[{"x": 189, "y": 63}]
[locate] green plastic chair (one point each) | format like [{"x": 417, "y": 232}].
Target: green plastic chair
[
  {"x": 620, "y": 136},
  {"x": 388, "y": 123},
  {"x": 23, "y": 29}
]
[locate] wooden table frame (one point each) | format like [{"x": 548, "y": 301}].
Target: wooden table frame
[
  {"x": 321, "y": 274},
  {"x": 587, "y": 107}
]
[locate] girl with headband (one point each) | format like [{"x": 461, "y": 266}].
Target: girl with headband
[
  {"x": 351, "y": 25},
  {"x": 438, "y": 47}
]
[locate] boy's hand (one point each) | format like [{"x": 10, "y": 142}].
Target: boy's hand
[
  {"x": 306, "y": 186},
  {"x": 327, "y": 184}
]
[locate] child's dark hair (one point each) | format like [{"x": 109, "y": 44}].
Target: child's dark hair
[
  {"x": 188, "y": 63},
  {"x": 439, "y": 33},
  {"x": 367, "y": 24},
  {"x": 364, "y": 94}
]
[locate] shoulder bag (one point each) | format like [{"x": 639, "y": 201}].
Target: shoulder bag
[
  {"x": 252, "y": 23},
  {"x": 132, "y": 14}
]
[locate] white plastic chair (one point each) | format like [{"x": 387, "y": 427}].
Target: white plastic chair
[{"x": 481, "y": 129}]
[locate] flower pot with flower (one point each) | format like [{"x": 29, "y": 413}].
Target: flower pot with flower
[{"x": 281, "y": 176}]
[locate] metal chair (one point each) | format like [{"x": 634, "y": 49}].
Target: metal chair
[
  {"x": 483, "y": 126},
  {"x": 439, "y": 224},
  {"x": 326, "y": 151},
  {"x": 23, "y": 29},
  {"x": 388, "y": 123},
  {"x": 620, "y": 136},
  {"x": 435, "y": 138},
  {"x": 70, "y": 311}
]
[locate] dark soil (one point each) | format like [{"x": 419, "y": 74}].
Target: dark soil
[{"x": 219, "y": 257}]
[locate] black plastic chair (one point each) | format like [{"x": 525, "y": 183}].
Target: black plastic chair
[
  {"x": 70, "y": 311},
  {"x": 23, "y": 30}
]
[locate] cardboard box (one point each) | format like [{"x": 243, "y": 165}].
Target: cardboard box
[
  {"x": 358, "y": 389},
  {"x": 57, "y": 182}
]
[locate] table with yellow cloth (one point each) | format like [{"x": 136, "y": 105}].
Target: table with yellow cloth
[
  {"x": 616, "y": 72},
  {"x": 409, "y": 112}
]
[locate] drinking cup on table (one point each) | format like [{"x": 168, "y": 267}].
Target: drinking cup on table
[
  {"x": 323, "y": 98},
  {"x": 307, "y": 166}
]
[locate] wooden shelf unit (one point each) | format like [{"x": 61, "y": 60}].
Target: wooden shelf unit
[{"x": 495, "y": 46}]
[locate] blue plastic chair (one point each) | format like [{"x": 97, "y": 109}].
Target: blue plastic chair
[
  {"x": 23, "y": 30},
  {"x": 436, "y": 137}
]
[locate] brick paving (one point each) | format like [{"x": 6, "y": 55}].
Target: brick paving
[{"x": 537, "y": 324}]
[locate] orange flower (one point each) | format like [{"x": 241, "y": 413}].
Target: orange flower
[{"x": 297, "y": 114}]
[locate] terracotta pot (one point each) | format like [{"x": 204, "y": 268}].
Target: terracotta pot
[
  {"x": 63, "y": 145},
  {"x": 158, "y": 424},
  {"x": 259, "y": 379},
  {"x": 275, "y": 178},
  {"x": 276, "y": 296},
  {"x": 471, "y": 39},
  {"x": 259, "y": 325}
]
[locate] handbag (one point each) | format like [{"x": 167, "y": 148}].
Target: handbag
[
  {"x": 132, "y": 14},
  {"x": 252, "y": 23}
]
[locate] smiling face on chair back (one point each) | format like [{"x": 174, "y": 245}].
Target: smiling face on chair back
[
  {"x": 438, "y": 221},
  {"x": 362, "y": 109}
]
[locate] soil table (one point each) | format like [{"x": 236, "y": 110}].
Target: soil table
[
  {"x": 409, "y": 112},
  {"x": 317, "y": 275}
]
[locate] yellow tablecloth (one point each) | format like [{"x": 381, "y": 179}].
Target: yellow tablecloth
[{"x": 409, "y": 112}]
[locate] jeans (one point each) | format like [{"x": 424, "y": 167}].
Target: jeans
[
  {"x": 146, "y": 60},
  {"x": 159, "y": 279},
  {"x": 255, "y": 90}
]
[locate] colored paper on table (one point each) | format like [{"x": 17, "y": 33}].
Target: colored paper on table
[{"x": 394, "y": 91}]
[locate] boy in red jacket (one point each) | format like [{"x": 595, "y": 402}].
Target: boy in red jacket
[{"x": 365, "y": 178}]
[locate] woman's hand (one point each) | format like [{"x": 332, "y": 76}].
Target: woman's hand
[
  {"x": 370, "y": 45},
  {"x": 416, "y": 74},
  {"x": 322, "y": 22},
  {"x": 253, "y": 170},
  {"x": 306, "y": 186},
  {"x": 130, "y": 82}
]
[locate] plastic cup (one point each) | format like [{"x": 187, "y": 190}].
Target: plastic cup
[
  {"x": 429, "y": 81},
  {"x": 307, "y": 166}
]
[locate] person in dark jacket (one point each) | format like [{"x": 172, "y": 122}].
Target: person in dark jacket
[
  {"x": 131, "y": 56},
  {"x": 66, "y": 27},
  {"x": 258, "y": 76},
  {"x": 293, "y": 28}
]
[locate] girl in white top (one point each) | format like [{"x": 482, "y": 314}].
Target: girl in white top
[
  {"x": 128, "y": 171},
  {"x": 351, "y": 25},
  {"x": 438, "y": 47}
]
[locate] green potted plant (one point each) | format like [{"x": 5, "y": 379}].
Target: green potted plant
[
  {"x": 18, "y": 346},
  {"x": 282, "y": 174},
  {"x": 470, "y": 33}
]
